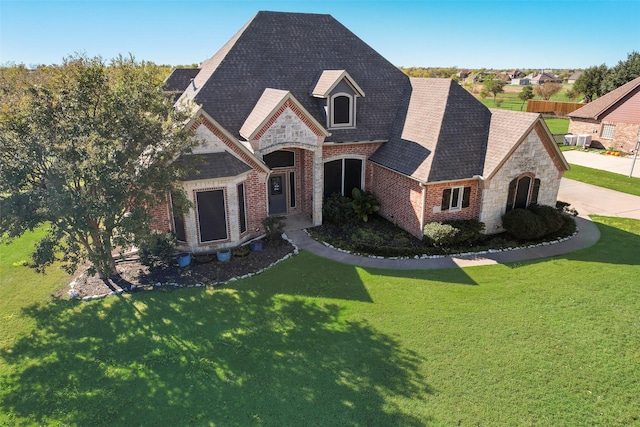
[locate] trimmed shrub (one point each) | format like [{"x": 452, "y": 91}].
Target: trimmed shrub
[
  {"x": 440, "y": 234},
  {"x": 551, "y": 216},
  {"x": 453, "y": 233},
  {"x": 157, "y": 249},
  {"x": 469, "y": 230},
  {"x": 524, "y": 224},
  {"x": 337, "y": 209}
]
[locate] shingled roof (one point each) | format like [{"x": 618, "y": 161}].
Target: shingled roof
[
  {"x": 180, "y": 78},
  {"x": 290, "y": 52},
  {"x": 602, "y": 106},
  {"x": 440, "y": 133},
  {"x": 213, "y": 165}
]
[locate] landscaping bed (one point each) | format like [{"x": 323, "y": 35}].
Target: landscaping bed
[
  {"x": 204, "y": 270},
  {"x": 382, "y": 238}
]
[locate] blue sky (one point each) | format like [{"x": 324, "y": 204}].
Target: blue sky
[{"x": 465, "y": 34}]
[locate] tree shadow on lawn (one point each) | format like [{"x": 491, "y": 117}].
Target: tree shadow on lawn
[{"x": 243, "y": 356}]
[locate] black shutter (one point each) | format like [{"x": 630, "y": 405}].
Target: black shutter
[
  {"x": 466, "y": 197},
  {"x": 241, "y": 207},
  {"x": 446, "y": 199},
  {"x": 536, "y": 190},
  {"x": 512, "y": 194}
]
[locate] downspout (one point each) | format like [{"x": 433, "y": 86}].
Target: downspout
[{"x": 424, "y": 206}]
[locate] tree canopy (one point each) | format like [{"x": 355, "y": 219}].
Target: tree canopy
[
  {"x": 547, "y": 90},
  {"x": 526, "y": 94},
  {"x": 86, "y": 148},
  {"x": 493, "y": 85},
  {"x": 590, "y": 82},
  {"x": 622, "y": 73}
]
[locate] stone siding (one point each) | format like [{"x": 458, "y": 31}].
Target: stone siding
[{"x": 532, "y": 158}]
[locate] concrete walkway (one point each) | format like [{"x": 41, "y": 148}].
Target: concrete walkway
[{"x": 587, "y": 199}]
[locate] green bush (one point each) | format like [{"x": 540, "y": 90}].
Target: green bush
[
  {"x": 453, "y": 233},
  {"x": 551, "y": 216},
  {"x": 523, "y": 224},
  {"x": 157, "y": 249},
  {"x": 364, "y": 203},
  {"x": 469, "y": 230},
  {"x": 337, "y": 209},
  {"x": 440, "y": 234}
]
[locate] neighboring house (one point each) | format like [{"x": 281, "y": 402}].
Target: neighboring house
[
  {"x": 462, "y": 74},
  {"x": 315, "y": 111},
  {"x": 522, "y": 82},
  {"x": 541, "y": 78},
  {"x": 613, "y": 120},
  {"x": 515, "y": 74},
  {"x": 573, "y": 77}
]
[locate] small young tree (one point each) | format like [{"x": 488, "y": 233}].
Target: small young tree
[
  {"x": 88, "y": 151},
  {"x": 525, "y": 95},
  {"x": 547, "y": 90},
  {"x": 493, "y": 85}
]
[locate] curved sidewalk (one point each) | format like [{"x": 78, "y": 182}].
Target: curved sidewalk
[{"x": 588, "y": 234}]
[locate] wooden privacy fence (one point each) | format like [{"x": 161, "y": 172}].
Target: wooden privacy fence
[{"x": 560, "y": 109}]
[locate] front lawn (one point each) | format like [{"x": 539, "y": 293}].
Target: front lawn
[{"x": 314, "y": 342}]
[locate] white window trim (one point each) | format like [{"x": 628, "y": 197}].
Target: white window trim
[
  {"x": 352, "y": 109},
  {"x": 459, "y": 201}
]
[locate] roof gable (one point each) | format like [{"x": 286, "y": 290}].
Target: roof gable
[
  {"x": 605, "y": 104},
  {"x": 329, "y": 79},
  {"x": 508, "y": 130}
]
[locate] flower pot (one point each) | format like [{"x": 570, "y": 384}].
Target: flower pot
[
  {"x": 223, "y": 255},
  {"x": 256, "y": 245},
  {"x": 184, "y": 259}
]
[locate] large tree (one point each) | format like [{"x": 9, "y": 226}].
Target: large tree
[
  {"x": 547, "y": 90},
  {"x": 589, "y": 84},
  {"x": 622, "y": 73},
  {"x": 87, "y": 150}
]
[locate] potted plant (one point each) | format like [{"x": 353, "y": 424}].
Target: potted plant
[
  {"x": 256, "y": 245},
  {"x": 184, "y": 259},
  {"x": 223, "y": 254}
]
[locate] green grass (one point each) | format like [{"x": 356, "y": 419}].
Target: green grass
[
  {"x": 313, "y": 342},
  {"x": 610, "y": 180},
  {"x": 557, "y": 126}
]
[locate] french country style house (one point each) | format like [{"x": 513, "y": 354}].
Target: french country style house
[{"x": 295, "y": 107}]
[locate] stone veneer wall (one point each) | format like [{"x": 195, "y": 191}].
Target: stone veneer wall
[{"x": 531, "y": 156}]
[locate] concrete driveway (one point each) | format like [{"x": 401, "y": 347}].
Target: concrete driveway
[{"x": 589, "y": 199}]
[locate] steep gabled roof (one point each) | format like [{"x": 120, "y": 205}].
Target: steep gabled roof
[
  {"x": 270, "y": 101},
  {"x": 289, "y": 51},
  {"x": 440, "y": 133},
  {"x": 602, "y": 106}
]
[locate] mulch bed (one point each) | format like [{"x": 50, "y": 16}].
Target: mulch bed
[{"x": 203, "y": 271}]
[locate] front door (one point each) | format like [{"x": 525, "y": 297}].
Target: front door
[{"x": 277, "y": 194}]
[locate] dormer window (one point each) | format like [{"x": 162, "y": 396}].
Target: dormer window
[
  {"x": 338, "y": 93},
  {"x": 342, "y": 110}
]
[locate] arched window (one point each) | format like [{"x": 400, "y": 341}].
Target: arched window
[
  {"x": 342, "y": 114},
  {"x": 523, "y": 191},
  {"x": 342, "y": 176}
]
